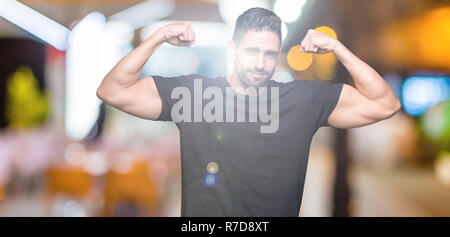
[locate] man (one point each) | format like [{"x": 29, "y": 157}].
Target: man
[{"x": 232, "y": 167}]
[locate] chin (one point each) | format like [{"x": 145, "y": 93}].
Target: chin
[
  {"x": 250, "y": 82},
  {"x": 257, "y": 84}
]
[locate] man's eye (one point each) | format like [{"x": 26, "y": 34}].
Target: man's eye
[{"x": 272, "y": 55}]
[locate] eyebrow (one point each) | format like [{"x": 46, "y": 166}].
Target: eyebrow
[
  {"x": 257, "y": 49},
  {"x": 272, "y": 51}
]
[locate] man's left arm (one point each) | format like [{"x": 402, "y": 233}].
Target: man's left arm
[{"x": 371, "y": 101}]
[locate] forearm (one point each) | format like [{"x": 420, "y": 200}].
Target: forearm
[
  {"x": 367, "y": 81},
  {"x": 127, "y": 71}
]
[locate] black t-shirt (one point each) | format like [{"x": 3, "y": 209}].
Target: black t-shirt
[{"x": 231, "y": 168}]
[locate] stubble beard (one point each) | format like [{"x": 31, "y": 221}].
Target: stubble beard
[{"x": 242, "y": 74}]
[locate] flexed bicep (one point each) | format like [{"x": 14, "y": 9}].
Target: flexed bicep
[
  {"x": 140, "y": 99},
  {"x": 355, "y": 110}
]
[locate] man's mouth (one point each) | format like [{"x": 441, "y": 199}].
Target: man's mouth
[{"x": 257, "y": 75}]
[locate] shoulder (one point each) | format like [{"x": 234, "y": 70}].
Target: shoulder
[
  {"x": 181, "y": 80},
  {"x": 317, "y": 90},
  {"x": 305, "y": 87},
  {"x": 314, "y": 86},
  {"x": 180, "y": 77}
]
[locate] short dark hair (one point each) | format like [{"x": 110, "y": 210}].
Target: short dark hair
[{"x": 258, "y": 19}]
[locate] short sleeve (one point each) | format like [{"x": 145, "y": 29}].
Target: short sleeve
[
  {"x": 324, "y": 100},
  {"x": 165, "y": 85}
]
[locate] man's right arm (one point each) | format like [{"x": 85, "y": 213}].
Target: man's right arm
[{"x": 121, "y": 87}]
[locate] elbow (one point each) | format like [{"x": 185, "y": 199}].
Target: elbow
[
  {"x": 102, "y": 90},
  {"x": 397, "y": 106},
  {"x": 394, "y": 108},
  {"x": 104, "y": 87},
  {"x": 99, "y": 94},
  {"x": 102, "y": 94}
]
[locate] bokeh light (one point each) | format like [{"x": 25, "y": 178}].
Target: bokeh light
[
  {"x": 436, "y": 120},
  {"x": 75, "y": 154},
  {"x": 210, "y": 180},
  {"x": 421, "y": 41},
  {"x": 325, "y": 66},
  {"x": 35, "y": 23},
  {"x": 432, "y": 35},
  {"x": 421, "y": 93},
  {"x": 299, "y": 60},
  {"x": 289, "y": 10},
  {"x": 231, "y": 9},
  {"x": 212, "y": 167},
  {"x": 442, "y": 167},
  {"x": 96, "y": 163}
]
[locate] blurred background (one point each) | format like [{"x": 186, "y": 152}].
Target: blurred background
[{"x": 65, "y": 153}]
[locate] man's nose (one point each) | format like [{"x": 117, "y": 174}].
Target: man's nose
[{"x": 260, "y": 62}]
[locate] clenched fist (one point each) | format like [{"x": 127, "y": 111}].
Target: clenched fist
[
  {"x": 317, "y": 42},
  {"x": 178, "y": 34}
]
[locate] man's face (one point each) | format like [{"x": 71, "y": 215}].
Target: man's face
[{"x": 256, "y": 57}]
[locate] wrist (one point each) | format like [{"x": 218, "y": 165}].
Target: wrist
[
  {"x": 335, "y": 46},
  {"x": 160, "y": 35},
  {"x": 338, "y": 48}
]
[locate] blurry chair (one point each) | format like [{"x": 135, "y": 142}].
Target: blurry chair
[
  {"x": 2, "y": 191},
  {"x": 68, "y": 181},
  {"x": 134, "y": 188}
]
